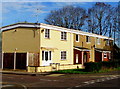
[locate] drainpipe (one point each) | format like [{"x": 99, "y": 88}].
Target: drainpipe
[
  {"x": 82, "y": 59},
  {"x": 2, "y": 59},
  {"x": 14, "y": 60}
]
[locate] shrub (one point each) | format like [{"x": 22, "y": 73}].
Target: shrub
[
  {"x": 92, "y": 66},
  {"x": 110, "y": 64},
  {"x": 106, "y": 64}
]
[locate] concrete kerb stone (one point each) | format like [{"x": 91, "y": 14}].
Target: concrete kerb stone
[{"x": 25, "y": 73}]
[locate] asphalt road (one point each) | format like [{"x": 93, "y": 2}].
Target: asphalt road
[
  {"x": 110, "y": 83},
  {"x": 59, "y": 81}
]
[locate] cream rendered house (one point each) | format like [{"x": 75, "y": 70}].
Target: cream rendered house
[{"x": 42, "y": 47}]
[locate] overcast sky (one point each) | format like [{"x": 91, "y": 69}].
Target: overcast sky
[{"x": 26, "y": 10}]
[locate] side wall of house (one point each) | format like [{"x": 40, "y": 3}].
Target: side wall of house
[{"x": 20, "y": 40}]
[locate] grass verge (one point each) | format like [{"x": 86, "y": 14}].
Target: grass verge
[{"x": 83, "y": 71}]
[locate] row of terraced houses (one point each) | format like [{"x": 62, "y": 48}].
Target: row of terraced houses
[{"x": 42, "y": 47}]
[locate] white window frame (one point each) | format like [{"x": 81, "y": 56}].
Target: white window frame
[
  {"x": 49, "y": 56},
  {"x": 63, "y": 35},
  {"x": 63, "y": 57},
  {"x": 47, "y": 33},
  {"x": 105, "y": 55},
  {"x": 89, "y": 39},
  {"x": 98, "y": 41},
  {"x": 107, "y": 42},
  {"x": 109, "y": 55},
  {"x": 77, "y": 36}
]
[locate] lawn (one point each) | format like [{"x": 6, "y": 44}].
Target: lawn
[{"x": 83, "y": 71}]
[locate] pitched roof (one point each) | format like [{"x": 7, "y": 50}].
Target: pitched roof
[{"x": 46, "y": 26}]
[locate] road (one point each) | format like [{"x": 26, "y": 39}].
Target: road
[{"x": 60, "y": 81}]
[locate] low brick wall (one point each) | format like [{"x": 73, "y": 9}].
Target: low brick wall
[{"x": 53, "y": 68}]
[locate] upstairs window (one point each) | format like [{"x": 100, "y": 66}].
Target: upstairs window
[
  {"x": 98, "y": 40},
  {"x": 105, "y": 55},
  {"x": 63, "y": 35},
  {"x": 87, "y": 39},
  {"x": 107, "y": 42},
  {"x": 77, "y": 38},
  {"x": 63, "y": 55},
  {"x": 47, "y": 33}
]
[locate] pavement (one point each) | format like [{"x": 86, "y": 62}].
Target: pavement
[{"x": 22, "y": 72}]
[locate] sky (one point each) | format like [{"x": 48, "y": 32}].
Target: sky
[{"x": 26, "y": 10}]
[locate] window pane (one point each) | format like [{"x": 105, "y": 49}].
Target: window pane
[
  {"x": 77, "y": 37},
  {"x": 49, "y": 55},
  {"x": 42, "y": 55},
  {"x": 47, "y": 33},
  {"x": 86, "y": 38},
  {"x": 46, "y": 56},
  {"x": 63, "y": 55},
  {"x": 63, "y": 35}
]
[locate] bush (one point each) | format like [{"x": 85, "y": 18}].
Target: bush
[
  {"x": 92, "y": 66},
  {"x": 110, "y": 64}
]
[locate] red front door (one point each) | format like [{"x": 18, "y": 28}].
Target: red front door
[{"x": 77, "y": 57}]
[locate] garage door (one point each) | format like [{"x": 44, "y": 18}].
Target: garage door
[
  {"x": 8, "y": 62},
  {"x": 21, "y": 60}
]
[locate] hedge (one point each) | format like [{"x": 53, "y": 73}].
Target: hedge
[
  {"x": 110, "y": 64},
  {"x": 92, "y": 66},
  {"x": 96, "y": 66}
]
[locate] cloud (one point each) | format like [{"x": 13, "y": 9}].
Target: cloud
[
  {"x": 60, "y": 1},
  {"x": 48, "y": 1},
  {"x": 20, "y": 7}
]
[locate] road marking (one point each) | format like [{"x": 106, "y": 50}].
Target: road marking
[
  {"x": 13, "y": 85},
  {"x": 23, "y": 86},
  {"x": 97, "y": 80},
  {"x": 103, "y": 79},
  {"x": 48, "y": 80},
  {"x": 7, "y": 85},
  {"x": 108, "y": 78}
]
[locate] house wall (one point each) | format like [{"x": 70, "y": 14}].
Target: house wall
[
  {"x": 50, "y": 68},
  {"x": 20, "y": 40},
  {"x": 92, "y": 44},
  {"x": 89, "y": 45},
  {"x": 103, "y": 45},
  {"x": 56, "y": 45}
]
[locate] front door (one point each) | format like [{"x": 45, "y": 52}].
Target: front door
[
  {"x": 77, "y": 57},
  {"x": 46, "y": 58}
]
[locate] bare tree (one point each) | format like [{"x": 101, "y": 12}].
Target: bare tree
[
  {"x": 116, "y": 24},
  {"x": 69, "y": 17},
  {"x": 99, "y": 17}
]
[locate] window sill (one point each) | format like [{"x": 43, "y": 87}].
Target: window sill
[
  {"x": 63, "y": 40},
  {"x": 98, "y": 43},
  {"x": 63, "y": 59},
  {"x": 47, "y": 38},
  {"x": 88, "y": 42}
]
